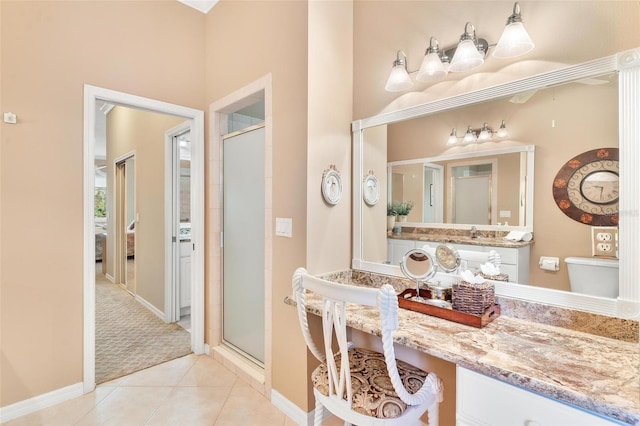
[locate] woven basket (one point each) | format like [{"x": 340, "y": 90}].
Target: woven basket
[
  {"x": 471, "y": 298},
  {"x": 499, "y": 277}
]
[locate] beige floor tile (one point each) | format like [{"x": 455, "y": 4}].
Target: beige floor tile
[
  {"x": 208, "y": 372},
  {"x": 129, "y": 406},
  {"x": 289, "y": 422},
  {"x": 246, "y": 406},
  {"x": 66, "y": 413},
  {"x": 191, "y": 406},
  {"x": 167, "y": 374}
]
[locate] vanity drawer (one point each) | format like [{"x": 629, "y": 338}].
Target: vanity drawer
[
  {"x": 507, "y": 255},
  {"x": 482, "y": 400}
]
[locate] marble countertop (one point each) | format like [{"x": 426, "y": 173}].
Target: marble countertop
[
  {"x": 459, "y": 239},
  {"x": 596, "y": 373}
]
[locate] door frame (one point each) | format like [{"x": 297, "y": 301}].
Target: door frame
[
  {"x": 171, "y": 211},
  {"x": 196, "y": 120},
  {"x": 119, "y": 254},
  {"x": 218, "y": 115}
]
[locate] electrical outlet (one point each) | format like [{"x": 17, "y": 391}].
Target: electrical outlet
[{"x": 604, "y": 241}]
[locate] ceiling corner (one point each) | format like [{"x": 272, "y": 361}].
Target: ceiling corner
[{"x": 203, "y": 6}]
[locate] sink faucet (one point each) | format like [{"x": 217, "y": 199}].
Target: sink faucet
[{"x": 474, "y": 232}]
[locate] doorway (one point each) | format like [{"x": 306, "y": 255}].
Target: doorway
[
  {"x": 195, "y": 118},
  {"x": 222, "y": 123},
  {"x": 473, "y": 192},
  {"x": 124, "y": 208},
  {"x": 178, "y": 256}
]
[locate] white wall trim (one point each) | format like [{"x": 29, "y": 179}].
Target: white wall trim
[
  {"x": 196, "y": 120},
  {"x": 157, "y": 312},
  {"x": 40, "y": 402},
  {"x": 294, "y": 412}
]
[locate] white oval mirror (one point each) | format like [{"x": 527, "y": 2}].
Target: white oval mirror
[{"x": 418, "y": 265}]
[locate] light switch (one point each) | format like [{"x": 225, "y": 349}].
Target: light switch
[{"x": 284, "y": 227}]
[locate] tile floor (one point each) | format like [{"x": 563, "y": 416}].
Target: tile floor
[{"x": 192, "y": 390}]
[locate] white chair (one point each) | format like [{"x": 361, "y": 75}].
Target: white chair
[{"x": 367, "y": 387}]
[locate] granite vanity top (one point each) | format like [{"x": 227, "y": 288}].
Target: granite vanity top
[
  {"x": 596, "y": 373},
  {"x": 457, "y": 236}
]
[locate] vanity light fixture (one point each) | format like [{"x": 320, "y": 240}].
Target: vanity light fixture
[
  {"x": 515, "y": 40},
  {"x": 399, "y": 79},
  {"x": 469, "y": 53},
  {"x": 432, "y": 67},
  {"x": 483, "y": 134}
]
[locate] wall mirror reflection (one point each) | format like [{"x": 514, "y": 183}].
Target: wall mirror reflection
[
  {"x": 485, "y": 184},
  {"x": 425, "y": 160}
]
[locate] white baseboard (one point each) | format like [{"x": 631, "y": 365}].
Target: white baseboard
[
  {"x": 110, "y": 278},
  {"x": 41, "y": 401},
  {"x": 150, "y": 307},
  {"x": 294, "y": 412}
]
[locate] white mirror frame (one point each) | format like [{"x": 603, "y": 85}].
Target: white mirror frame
[{"x": 627, "y": 63}]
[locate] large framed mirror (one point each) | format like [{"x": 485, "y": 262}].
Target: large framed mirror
[{"x": 417, "y": 137}]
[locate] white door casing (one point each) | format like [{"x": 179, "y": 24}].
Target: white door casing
[{"x": 196, "y": 121}]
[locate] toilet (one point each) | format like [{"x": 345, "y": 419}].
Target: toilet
[{"x": 593, "y": 276}]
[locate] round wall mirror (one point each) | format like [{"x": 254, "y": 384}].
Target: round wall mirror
[
  {"x": 447, "y": 257},
  {"x": 418, "y": 265}
]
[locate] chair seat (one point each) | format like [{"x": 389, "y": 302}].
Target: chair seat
[{"x": 373, "y": 393}]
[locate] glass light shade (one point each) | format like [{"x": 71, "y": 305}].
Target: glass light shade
[
  {"x": 466, "y": 57},
  {"x": 502, "y": 131},
  {"x": 514, "y": 41},
  {"x": 399, "y": 79},
  {"x": 469, "y": 137},
  {"x": 453, "y": 139},
  {"x": 485, "y": 135},
  {"x": 431, "y": 69}
]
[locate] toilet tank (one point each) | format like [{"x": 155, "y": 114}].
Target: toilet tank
[{"x": 594, "y": 276}]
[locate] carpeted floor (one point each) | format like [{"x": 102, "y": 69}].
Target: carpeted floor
[{"x": 129, "y": 337}]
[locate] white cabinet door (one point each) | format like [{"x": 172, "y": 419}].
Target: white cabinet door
[{"x": 481, "y": 400}]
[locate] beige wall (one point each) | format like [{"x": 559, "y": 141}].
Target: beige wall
[
  {"x": 54, "y": 49},
  {"x": 272, "y": 38},
  {"x": 585, "y": 117},
  {"x": 143, "y": 132}
]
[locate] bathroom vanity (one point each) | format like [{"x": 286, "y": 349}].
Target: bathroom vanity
[
  {"x": 517, "y": 371},
  {"x": 514, "y": 254}
]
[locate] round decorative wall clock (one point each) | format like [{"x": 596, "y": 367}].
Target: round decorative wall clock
[
  {"x": 587, "y": 187},
  {"x": 371, "y": 189},
  {"x": 331, "y": 185}
]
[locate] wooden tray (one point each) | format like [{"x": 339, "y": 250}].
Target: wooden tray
[{"x": 404, "y": 301}]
